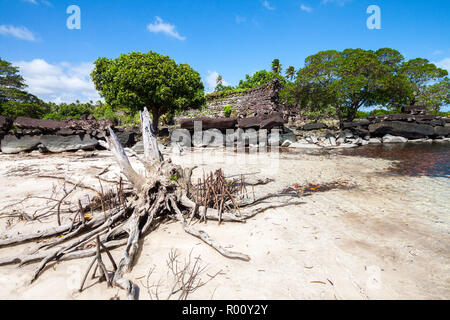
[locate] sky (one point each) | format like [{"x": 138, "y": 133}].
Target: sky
[{"x": 231, "y": 38}]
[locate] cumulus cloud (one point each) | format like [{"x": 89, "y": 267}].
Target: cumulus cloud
[
  {"x": 306, "y": 8},
  {"x": 338, "y": 2},
  {"x": 444, "y": 64},
  {"x": 35, "y": 2},
  {"x": 211, "y": 81},
  {"x": 21, "y": 33},
  {"x": 267, "y": 5},
  {"x": 63, "y": 82},
  {"x": 159, "y": 26}
]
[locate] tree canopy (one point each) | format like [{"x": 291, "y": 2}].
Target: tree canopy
[
  {"x": 420, "y": 73},
  {"x": 139, "y": 80},
  {"x": 259, "y": 78},
  {"x": 14, "y": 100},
  {"x": 354, "y": 78}
]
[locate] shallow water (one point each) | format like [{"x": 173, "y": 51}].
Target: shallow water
[{"x": 413, "y": 159}]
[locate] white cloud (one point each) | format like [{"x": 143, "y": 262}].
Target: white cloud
[
  {"x": 35, "y": 2},
  {"x": 211, "y": 81},
  {"x": 62, "y": 82},
  {"x": 21, "y": 33},
  {"x": 338, "y": 2},
  {"x": 444, "y": 64},
  {"x": 267, "y": 5},
  {"x": 438, "y": 52},
  {"x": 164, "y": 27},
  {"x": 306, "y": 8}
]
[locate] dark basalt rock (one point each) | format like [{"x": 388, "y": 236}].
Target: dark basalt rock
[
  {"x": 249, "y": 123},
  {"x": 56, "y": 144},
  {"x": 408, "y": 130},
  {"x": 11, "y": 144},
  {"x": 209, "y": 123},
  {"x": 5, "y": 124},
  {"x": 126, "y": 138},
  {"x": 355, "y": 124},
  {"x": 414, "y": 109},
  {"x": 442, "y": 131},
  {"x": 43, "y": 125},
  {"x": 272, "y": 121},
  {"x": 314, "y": 126}
]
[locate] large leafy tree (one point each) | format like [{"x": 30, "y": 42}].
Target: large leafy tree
[
  {"x": 420, "y": 73},
  {"x": 349, "y": 80},
  {"x": 436, "y": 95},
  {"x": 139, "y": 80},
  {"x": 14, "y": 100}
]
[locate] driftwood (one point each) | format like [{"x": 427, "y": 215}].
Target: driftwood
[{"x": 165, "y": 192}]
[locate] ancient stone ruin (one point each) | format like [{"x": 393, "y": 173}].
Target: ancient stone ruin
[{"x": 27, "y": 134}]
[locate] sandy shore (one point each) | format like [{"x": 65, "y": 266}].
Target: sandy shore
[{"x": 387, "y": 237}]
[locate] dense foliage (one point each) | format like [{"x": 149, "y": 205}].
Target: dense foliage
[
  {"x": 352, "y": 79},
  {"x": 139, "y": 80},
  {"x": 14, "y": 100}
]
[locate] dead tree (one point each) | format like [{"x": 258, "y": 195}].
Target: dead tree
[{"x": 165, "y": 192}]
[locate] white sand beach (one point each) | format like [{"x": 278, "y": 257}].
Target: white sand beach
[{"x": 386, "y": 237}]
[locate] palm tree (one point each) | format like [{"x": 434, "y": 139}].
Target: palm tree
[
  {"x": 290, "y": 73},
  {"x": 276, "y": 66},
  {"x": 219, "y": 79}
]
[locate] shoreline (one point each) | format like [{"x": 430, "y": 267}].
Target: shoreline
[{"x": 387, "y": 238}]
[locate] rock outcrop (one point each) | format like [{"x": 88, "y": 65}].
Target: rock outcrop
[
  {"x": 11, "y": 144},
  {"x": 209, "y": 123},
  {"x": 5, "y": 125},
  {"x": 409, "y": 130}
]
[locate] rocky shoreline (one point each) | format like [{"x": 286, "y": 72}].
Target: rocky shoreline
[{"x": 45, "y": 136}]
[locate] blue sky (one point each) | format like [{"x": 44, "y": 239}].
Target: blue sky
[{"x": 231, "y": 38}]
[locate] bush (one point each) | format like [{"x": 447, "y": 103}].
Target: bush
[
  {"x": 63, "y": 111},
  {"x": 382, "y": 112},
  {"x": 361, "y": 115},
  {"x": 13, "y": 109},
  {"x": 227, "y": 110}
]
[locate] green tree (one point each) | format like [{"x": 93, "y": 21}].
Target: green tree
[
  {"x": 139, "y": 80},
  {"x": 14, "y": 100},
  {"x": 420, "y": 73},
  {"x": 219, "y": 80},
  {"x": 276, "y": 66},
  {"x": 436, "y": 95},
  {"x": 346, "y": 81},
  {"x": 258, "y": 79},
  {"x": 290, "y": 73}
]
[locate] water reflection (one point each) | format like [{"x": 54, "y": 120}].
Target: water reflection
[{"x": 415, "y": 159}]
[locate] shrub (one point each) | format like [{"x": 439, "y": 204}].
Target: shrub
[{"x": 227, "y": 110}]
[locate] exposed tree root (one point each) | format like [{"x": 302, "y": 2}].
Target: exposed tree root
[{"x": 165, "y": 192}]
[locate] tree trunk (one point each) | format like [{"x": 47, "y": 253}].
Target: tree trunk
[{"x": 155, "y": 115}]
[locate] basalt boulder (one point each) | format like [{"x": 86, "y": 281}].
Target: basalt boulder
[
  {"x": 314, "y": 126},
  {"x": 409, "y": 130},
  {"x": 43, "y": 125},
  {"x": 12, "y": 144},
  {"x": 57, "y": 144},
  {"x": 443, "y": 131},
  {"x": 273, "y": 121},
  {"x": 209, "y": 123},
  {"x": 5, "y": 124},
  {"x": 262, "y": 121}
]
